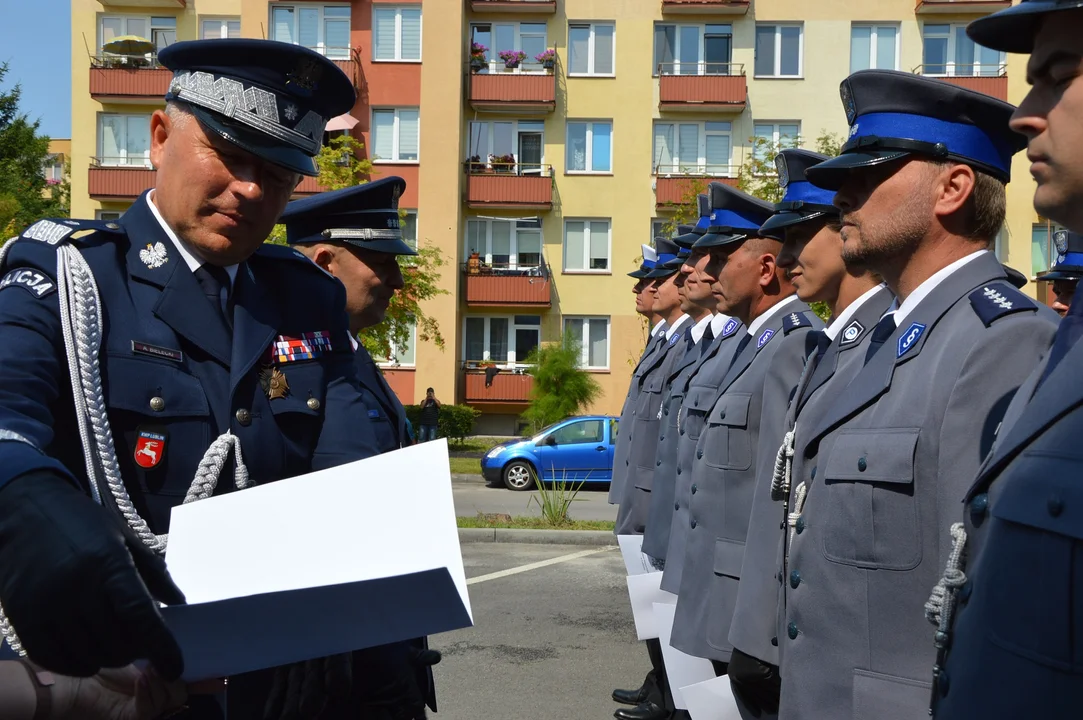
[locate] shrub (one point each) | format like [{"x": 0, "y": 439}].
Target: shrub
[
  {"x": 561, "y": 387},
  {"x": 456, "y": 422}
]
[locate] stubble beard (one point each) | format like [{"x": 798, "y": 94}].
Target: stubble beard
[{"x": 890, "y": 240}]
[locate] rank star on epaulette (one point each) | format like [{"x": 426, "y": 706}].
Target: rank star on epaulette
[{"x": 996, "y": 300}]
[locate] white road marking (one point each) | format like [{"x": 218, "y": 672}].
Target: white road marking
[{"x": 536, "y": 565}]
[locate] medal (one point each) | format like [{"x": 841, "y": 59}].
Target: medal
[{"x": 274, "y": 383}]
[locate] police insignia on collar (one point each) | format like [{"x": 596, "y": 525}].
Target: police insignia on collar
[
  {"x": 154, "y": 256},
  {"x": 673, "y": 340},
  {"x": 909, "y": 338},
  {"x": 852, "y": 333},
  {"x": 764, "y": 338},
  {"x": 730, "y": 327},
  {"x": 274, "y": 383}
]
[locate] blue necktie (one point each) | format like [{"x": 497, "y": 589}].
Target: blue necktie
[
  {"x": 822, "y": 343},
  {"x": 880, "y": 334},
  {"x": 706, "y": 340},
  {"x": 213, "y": 279},
  {"x": 1068, "y": 332}
]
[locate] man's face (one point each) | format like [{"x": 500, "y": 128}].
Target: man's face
[
  {"x": 666, "y": 297},
  {"x": 697, "y": 283},
  {"x": 221, "y": 200},
  {"x": 886, "y": 211},
  {"x": 811, "y": 256},
  {"x": 1063, "y": 292},
  {"x": 736, "y": 270},
  {"x": 644, "y": 292},
  {"x": 1050, "y": 115},
  {"x": 371, "y": 279}
]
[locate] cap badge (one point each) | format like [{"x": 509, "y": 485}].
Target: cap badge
[
  {"x": 783, "y": 170},
  {"x": 1060, "y": 239},
  {"x": 304, "y": 75},
  {"x": 848, "y": 104},
  {"x": 154, "y": 256}
]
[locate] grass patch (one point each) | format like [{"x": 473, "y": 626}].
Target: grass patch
[
  {"x": 479, "y": 444},
  {"x": 465, "y": 465},
  {"x": 523, "y": 522}
]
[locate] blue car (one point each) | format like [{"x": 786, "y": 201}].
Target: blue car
[{"x": 579, "y": 449}]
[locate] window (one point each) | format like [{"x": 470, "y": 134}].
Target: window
[
  {"x": 693, "y": 49},
  {"x": 658, "y": 229},
  {"x": 522, "y": 139},
  {"x": 396, "y": 33},
  {"x": 507, "y": 340},
  {"x": 1000, "y": 244},
  {"x": 1041, "y": 244},
  {"x": 586, "y": 245},
  {"x": 405, "y": 355},
  {"x": 583, "y": 431},
  {"x": 395, "y": 136},
  {"x": 323, "y": 28},
  {"x": 124, "y": 139},
  {"x": 770, "y": 137},
  {"x": 948, "y": 51},
  {"x": 589, "y": 147},
  {"x": 692, "y": 148},
  {"x": 590, "y": 48},
  {"x": 529, "y": 38},
  {"x": 874, "y": 47},
  {"x": 778, "y": 50},
  {"x": 507, "y": 244},
  {"x": 53, "y": 169},
  {"x": 219, "y": 28},
  {"x": 409, "y": 229},
  {"x": 107, "y": 215},
  {"x": 162, "y": 31},
  {"x": 593, "y": 336}
]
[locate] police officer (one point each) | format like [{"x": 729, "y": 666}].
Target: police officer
[
  {"x": 136, "y": 352},
  {"x": 1015, "y": 600},
  {"x": 920, "y": 184},
  {"x": 1066, "y": 270},
  {"x": 746, "y": 416},
  {"x": 808, "y": 226}
]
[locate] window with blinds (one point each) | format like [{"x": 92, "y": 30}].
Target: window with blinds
[
  {"x": 395, "y": 136},
  {"x": 396, "y": 33},
  {"x": 323, "y": 28},
  {"x": 219, "y": 28},
  {"x": 586, "y": 246},
  {"x": 692, "y": 148},
  {"x": 592, "y": 334}
]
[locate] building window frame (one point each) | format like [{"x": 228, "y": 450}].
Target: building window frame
[
  {"x": 108, "y": 215},
  {"x": 588, "y": 152},
  {"x": 494, "y": 64},
  {"x": 484, "y": 148},
  {"x": 680, "y": 162},
  {"x": 700, "y": 66},
  {"x": 155, "y": 24},
  {"x": 397, "y": 55},
  {"x": 776, "y": 135},
  {"x": 122, "y": 160},
  {"x": 777, "y": 50},
  {"x": 518, "y": 230},
  {"x": 949, "y": 67},
  {"x": 874, "y": 44},
  {"x": 223, "y": 30},
  {"x": 406, "y": 357},
  {"x": 513, "y": 358},
  {"x": 396, "y": 129},
  {"x": 592, "y": 57},
  {"x": 588, "y": 321},
  {"x": 330, "y": 52},
  {"x": 586, "y": 259}
]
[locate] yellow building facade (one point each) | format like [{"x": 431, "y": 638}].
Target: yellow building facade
[{"x": 539, "y": 184}]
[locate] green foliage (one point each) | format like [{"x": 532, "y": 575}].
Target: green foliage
[
  {"x": 25, "y": 197},
  {"x": 757, "y": 175},
  {"x": 822, "y": 310},
  {"x": 341, "y": 164},
  {"x": 455, "y": 422},
  {"x": 555, "y": 501},
  {"x": 829, "y": 143},
  {"x": 685, "y": 212},
  {"x": 561, "y": 387}
]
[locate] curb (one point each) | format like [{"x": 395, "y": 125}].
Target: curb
[{"x": 596, "y": 538}]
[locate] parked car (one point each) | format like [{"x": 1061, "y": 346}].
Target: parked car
[{"x": 579, "y": 449}]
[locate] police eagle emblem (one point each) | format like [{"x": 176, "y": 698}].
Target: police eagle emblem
[{"x": 154, "y": 256}]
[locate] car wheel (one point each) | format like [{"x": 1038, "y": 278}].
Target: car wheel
[{"x": 519, "y": 476}]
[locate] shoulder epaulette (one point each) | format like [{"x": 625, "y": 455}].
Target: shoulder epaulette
[
  {"x": 54, "y": 231},
  {"x": 997, "y": 299},
  {"x": 795, "y": 320}
]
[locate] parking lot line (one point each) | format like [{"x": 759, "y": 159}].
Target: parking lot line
[{"x": 536, "y": 565}]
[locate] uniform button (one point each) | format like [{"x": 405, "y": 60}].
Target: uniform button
[
  {"x": 721, "y": 414},
  {"x": 313, "y": 404},
  {"x": 244, "y": 417},
  {"x": 666, "y": 411},
  {"x": 942, "y": 681},
  {"x": 978, "y": 506},
  {"x": 678, "y": 471},
  {"x": 658, "y": 463},
  {"x": 682, "y": 431},
  {"x": 778, "y": 575},
  {"x": 157, "y": 404},
  {"x": 774, "y": 642},
  {"x": 676, "y": 506},
  {"x": 813, "y": 474},
  {"x": 964, "y": 593},
  {"x": 800, "y": 525},
  {"x": 795, "y": 579},
  {"x": 699, "y": 454},
  {"x": 861, "y": 464},
  {"x": 660, "y": 439},
  {"x": 1056, "y": 506},
  {"x": 791, "y": 630},
  {"x": 693, "y": 524},
  {"x": 694, "y": 488}
]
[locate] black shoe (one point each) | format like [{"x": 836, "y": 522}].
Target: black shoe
[
  {"x": 645, "y": 711},
  {"x": 631, "y": 697}
]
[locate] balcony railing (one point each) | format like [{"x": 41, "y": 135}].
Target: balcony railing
[
  {"x": 519, "y": 91},
  {"x": 547, "y": 7},
  {"x": 706, "y": 7},
  {"x": 976, "y": 7},
  {"x": 509, "y": 185},
  {"x": 991, "y": 79},
  {"x": 694, "y": 87},
  {"x": 502, "y": 285},
  {"x": 128, "y": 76},
  {"x": 119, "y": 178},
  {"x": 679, "y": 183},
  {"x": 144, "y": 3},
  {"x": 505, "y": 386}
]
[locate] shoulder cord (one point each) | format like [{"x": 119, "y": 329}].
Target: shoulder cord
[
  {"x": 940, "y": 607},
  {"x": 80, "y": 317}
]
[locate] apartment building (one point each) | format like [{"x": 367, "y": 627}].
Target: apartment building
[{"x": 537, "y": 173}]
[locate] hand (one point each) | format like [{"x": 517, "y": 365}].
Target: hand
[
  {"x": 119, "y": 694},
  {"x": 302, "y": 691},
  {"x": 77, "y": 585}
]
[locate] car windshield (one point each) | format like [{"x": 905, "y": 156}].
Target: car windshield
[{"x": 546, "y": 430}]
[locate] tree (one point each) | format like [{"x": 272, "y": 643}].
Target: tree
[
  {"x": 561, "y": 387},
  {"x": 25, "y": 197},
  {"x": 341, "y": 165},
  {"x": 686, "y": 212}
]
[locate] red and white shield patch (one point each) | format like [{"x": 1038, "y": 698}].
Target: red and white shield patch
[{"x": 149, "y": 449}]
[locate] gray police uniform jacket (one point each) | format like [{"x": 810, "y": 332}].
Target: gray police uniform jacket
[
  {"x": 755, "y": 618},
  {"x": 700, "y": 396},
  {"x": 663, "y": 484},
  {"x": 642, "y": 433},
  {"x": 885, "y": 468},
  {"x": 744, "y": 424},
  {"x": 1018, "y": 616},
  {"x": 623, "y": 445}
]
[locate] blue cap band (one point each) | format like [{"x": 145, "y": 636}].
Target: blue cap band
[
  {"x": 665, "y": 257},
  {"x": 649, "y": 264},
  {"x": 703, "y": 223},
  {"x": 807, "y": 192},
  {"x": 1072, "y": 258},
  {"x": 962, "y": 140},
  {"x": 729, "y": 219}
]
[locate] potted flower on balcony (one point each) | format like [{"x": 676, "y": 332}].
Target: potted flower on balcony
[
  {"x": 477, "y": 56},
  {"x": 474, "y": 165},
  {"x": 548, "y": 59},
  {"x": 512, "y": 58},
  {"x": 503, "y": 163}
]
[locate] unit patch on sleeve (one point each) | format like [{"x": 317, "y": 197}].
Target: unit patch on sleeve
[
  {"x": 996, "y": 300},
  {"x": 33, "y": 281}
]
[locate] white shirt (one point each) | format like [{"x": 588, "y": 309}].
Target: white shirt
[
  {"x": 922, "y": 291},
  {"x": 676, "y": 326},
  {"x": 701, "y": 327},
  {"x": 832, "y": 330},
  {"x": 190, "y": 258},
  {"x": 771, "y": 312},
  {"x": 658, "y": 328},
  {"x": 718, "y": 323}
]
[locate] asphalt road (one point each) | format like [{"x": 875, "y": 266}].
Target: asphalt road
[
  {"x": 548, "y": 643},
  {"x": 473, "y": 496}
]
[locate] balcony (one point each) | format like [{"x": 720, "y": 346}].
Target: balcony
[
  {"x": 699, "y": 87},
  {"x": 507, "y": 386},
  {"x": 989, "y": 79},
  {"x": 111, "y": 180},
  {"x": 705, "y": 7},
  {"x": 679, "y": 184},
  {"x": 508, "y": 186},
  {"x": 495, "y": 286},
  {"x": 960, "y": 7},
  {"x": 121, "y": 78},
  {"x": 538, "y": 7},
  {"x": 144, "y": 3},
  {"x": 309, "y": 186},
  {"x": 512, "y": 92}
]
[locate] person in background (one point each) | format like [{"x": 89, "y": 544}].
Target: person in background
[
  {"x": 1066, "y": 269},
  {"x": 430, "y": 416}
]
